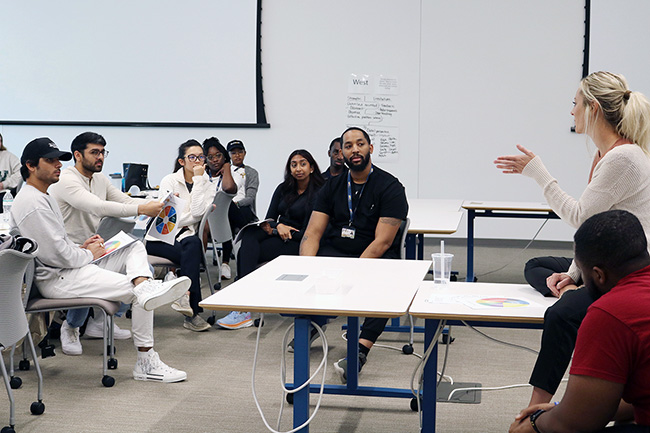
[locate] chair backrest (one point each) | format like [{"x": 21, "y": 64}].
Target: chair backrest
[
  {"x": 110, "y": 226},
  {"x": 401, "y": 234},
  {"x": 217, "y": 218},
  {"x": 13, "y": 322}
]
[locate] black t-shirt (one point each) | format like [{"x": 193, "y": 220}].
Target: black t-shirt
[{"x": 382, "y": 196}]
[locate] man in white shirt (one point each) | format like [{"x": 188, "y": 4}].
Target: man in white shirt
[
  {"x": 85, "y": 196},
  {"x": 66, "y": 270}
]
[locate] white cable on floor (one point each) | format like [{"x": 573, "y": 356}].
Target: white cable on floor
[
  {"x": 492, "y": 388},
  {"x": 517, "y": 256},
  {"x": 322, "y": 365},
  {"x": 500, "y": 341}
]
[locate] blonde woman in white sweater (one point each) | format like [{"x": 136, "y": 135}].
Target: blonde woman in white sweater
[{"x": 618, "y": 122}]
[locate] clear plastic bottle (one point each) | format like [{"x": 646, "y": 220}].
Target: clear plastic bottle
[{"x": 7, "y": 202}]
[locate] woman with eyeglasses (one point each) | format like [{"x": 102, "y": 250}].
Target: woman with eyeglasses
[{"x": 186, "y": 251}]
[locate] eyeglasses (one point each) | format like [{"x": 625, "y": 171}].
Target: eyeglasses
[
  {"x": 97, "y": 153},
  {"x": 215, "y": 157},
  {"x": 193, "y": 158}
]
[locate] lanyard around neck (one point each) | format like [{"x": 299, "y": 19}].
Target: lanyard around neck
[{"x": 352, "y": 211}]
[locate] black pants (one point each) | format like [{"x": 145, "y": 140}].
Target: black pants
[
  {"x": 537, "y": 270},
  {"x": 188, "y": 254},
  {"x": 372, "y": 326},
  {"x": 238, "y": 218},
  {"x": 561, "y": 323},
  {"x": 258, "y": 247}
]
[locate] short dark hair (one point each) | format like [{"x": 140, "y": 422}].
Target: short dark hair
[
  {"x": 336, "y": 140},
  {"x": 24, "y": 171},
  {"x": 610, "y": 239},
  {"x": 82, "y": 141},
  {"x": 356, "y": 128},
  {"x": 214, "y": 142}
]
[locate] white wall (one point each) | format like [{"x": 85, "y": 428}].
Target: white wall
[{"x": 475, "y": 78}]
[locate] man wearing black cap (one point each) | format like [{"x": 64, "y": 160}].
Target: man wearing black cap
[
  {"x": 242, "y": 208},
  {"x": 66, "y": 270}
]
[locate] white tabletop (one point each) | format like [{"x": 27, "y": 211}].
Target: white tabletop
[
  {"x": 491, "y": 302},
  {"x": 337, "y": 286},
  {"x": 526, "y": 206},
  {"x": 433, "y": 216}
]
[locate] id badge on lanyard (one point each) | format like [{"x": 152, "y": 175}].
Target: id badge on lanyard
[{"x": 349, "y": 231}]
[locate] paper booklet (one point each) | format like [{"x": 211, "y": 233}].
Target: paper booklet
[
  {"x": 164, "y": 227},
  {"x": 254, "y": 223},
  {"x": 115, "y": 243}
]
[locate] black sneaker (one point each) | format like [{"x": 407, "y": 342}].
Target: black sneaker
[
  {"x": 312, "y": 337},
  {"x": 341, "y": 367}
]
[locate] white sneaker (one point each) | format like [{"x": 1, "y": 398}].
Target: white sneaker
[
  {"x": 70, "y": 344},
  {"x": 94, "y": 329},
  {"x": 170, "y": 276},
  {"x": 225, "y": 271},
  {"x": 182, "y": 305},
  {"x": 150, "y": 367},
  {"x": 154, "y": 293}
]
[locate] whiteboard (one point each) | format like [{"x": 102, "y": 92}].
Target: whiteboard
[
  {"x": 129, "y": 62},
  {"x": 619, "y": 39}
]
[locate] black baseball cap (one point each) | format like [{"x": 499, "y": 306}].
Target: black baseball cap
[
  {"x": 43, "y": 148},
  {"x": 236, "y": 144}
]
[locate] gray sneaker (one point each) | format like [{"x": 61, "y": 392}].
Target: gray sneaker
[
  {"x": 341, "y": 367},
  {"x": 182, "y": 305},
  {"x": 196, "y": 323}
]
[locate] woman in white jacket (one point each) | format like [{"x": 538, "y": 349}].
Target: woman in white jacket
[{"x": 186, "y": 251}]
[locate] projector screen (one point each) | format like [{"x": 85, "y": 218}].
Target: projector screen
[
  {"x": 119, "y": 62},
  {"x": 618, "y": 40}
]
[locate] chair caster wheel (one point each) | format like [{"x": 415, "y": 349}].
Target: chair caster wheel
[
  {"x": 414, "y": 404},
  {"x": 15, "y": 382},
  {"x": 47, "y": 351},
  {"x": 108, "y": 381},
  {"x": 23, "y": 365},
  {"x": 112, "y": 364},
  {"x": 7, "y": 430},
  {"x": 407, "y": 349},
  {"x": 211, "y": 320},
  {"x": 37, "y": 408},
  {"x": 217, "y": 287},
  {"x": 290, "y": 398},
  {"x": 257, "y": 324},
  {"x": 446, "y": 339}
]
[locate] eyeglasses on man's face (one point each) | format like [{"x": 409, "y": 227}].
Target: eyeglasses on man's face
[{"x": 96, "y": 153}]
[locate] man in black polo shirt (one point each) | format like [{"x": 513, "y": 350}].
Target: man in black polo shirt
[
  {"x": 357, "y": 214},
  {"x": 336, "y": 159}
]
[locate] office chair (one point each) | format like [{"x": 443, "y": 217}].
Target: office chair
[
  {"x": 34, "y": 302},
  {"x": 13, "y": 325},
  {"x": 218, "y": 224}
]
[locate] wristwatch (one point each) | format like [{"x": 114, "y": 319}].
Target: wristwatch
[
  {"x": 274, "y": 232},
  {"x": 534, "y": 417}
]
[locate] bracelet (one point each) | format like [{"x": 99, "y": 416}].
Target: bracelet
[{"x": 534, "y": 417}]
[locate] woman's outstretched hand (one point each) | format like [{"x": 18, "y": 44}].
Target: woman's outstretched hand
[{"x": 514, "y": 164}]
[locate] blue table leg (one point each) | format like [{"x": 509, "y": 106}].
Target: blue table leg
[
  {"x": 471, "y": 214},
  {"x": 430, "y": 378},
  {"x": 420, "y": 243},
  {"x": 353, "y": 353},
  {"x": 301, "y": 372},
  {"x": 410, "y": 246}
]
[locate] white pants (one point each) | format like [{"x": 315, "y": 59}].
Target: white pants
[{"x": 111, "y": 279}]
